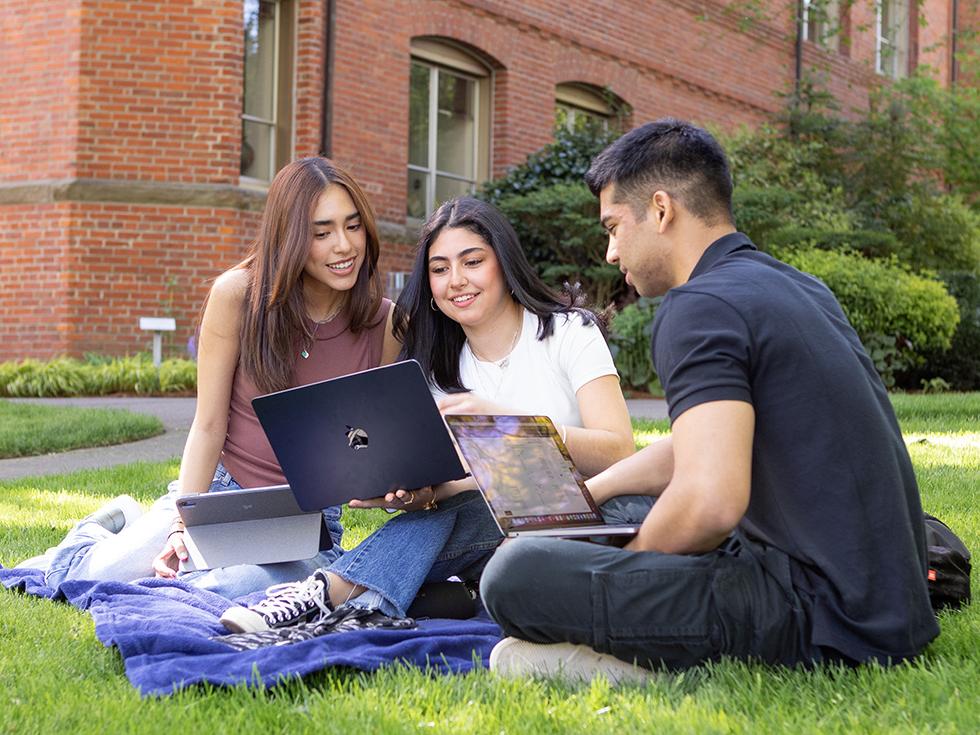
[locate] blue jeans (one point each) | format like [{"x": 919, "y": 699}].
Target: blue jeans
[
  {"x": 457, "y": 539},
  {"x": 92, "y": 552}
]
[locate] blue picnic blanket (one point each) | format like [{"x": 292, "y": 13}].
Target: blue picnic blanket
[{"x": 162, "y": 629}]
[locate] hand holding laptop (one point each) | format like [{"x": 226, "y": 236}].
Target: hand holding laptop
[{"x": 416, "y": 499}]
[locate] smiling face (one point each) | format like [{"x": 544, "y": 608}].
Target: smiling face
[
  {"x": 339, "y": 241},
  {"x": 465, "y": 277},
  {"x": 638, "y": 248}
]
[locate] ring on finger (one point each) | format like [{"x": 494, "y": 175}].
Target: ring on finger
[{"x": 412, "y": 500}]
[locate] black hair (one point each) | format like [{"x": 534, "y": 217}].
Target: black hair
[
  {"x": 674, "y": 156},
  {"x": 433, "y": 338}
]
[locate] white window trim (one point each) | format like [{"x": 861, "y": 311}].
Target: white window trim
[{"x": 887, "y": 49}]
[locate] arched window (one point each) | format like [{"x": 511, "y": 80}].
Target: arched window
[
  {"x": 578, "y": 104},
  {"x": 448, "y": 125}
]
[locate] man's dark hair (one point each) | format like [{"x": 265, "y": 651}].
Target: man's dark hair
[{"x": 670, "y": 155}]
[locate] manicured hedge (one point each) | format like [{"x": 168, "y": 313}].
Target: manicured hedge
[{"x": 898, "y": 315}]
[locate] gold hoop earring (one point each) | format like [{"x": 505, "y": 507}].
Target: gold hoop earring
[{"x": 432, "y": 305}]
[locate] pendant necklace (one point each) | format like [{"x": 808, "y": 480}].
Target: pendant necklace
[
  {"x": 311, "y": 338},
  {"x": 505, "y": 362}
]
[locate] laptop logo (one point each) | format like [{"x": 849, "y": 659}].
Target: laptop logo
[{"x": 356, "y": 438}]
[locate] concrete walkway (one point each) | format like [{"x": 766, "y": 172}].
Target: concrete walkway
[{"x": 176, "y": 415}]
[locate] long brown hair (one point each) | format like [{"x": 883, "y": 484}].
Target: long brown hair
[{"x": 274, "y": 312}]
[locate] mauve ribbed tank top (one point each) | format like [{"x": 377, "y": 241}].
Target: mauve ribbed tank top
[{"x": 337, "y": 351}]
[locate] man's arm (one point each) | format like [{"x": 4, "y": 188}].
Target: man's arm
[
  {"x": 708, "y": 492},
  {"x": 646, "y": 472}
]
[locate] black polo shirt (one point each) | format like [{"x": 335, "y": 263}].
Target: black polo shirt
[{"x": 832, "y": 482}]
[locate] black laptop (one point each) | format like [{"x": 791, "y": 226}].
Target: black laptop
[{"x": 359, "y": 436}]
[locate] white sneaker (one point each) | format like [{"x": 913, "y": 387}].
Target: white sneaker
[
  {"x": 513, "y": 657},
  {"x": 115, "y": 515}
]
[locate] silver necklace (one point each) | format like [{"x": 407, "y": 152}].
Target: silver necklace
[
  {"x": 505, "y": 362},
  {"x": 311, "y": 338}
]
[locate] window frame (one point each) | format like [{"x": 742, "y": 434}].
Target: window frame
[
  {"x": 579, "y": 99},
  {"x": 892, "y": 38},
  {"x": 823, "y": 30},
  {"x": 441, "y": 58},
  {"x": 281, "y": 127}
]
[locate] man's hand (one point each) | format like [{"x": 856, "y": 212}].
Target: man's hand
[{"x": 416, "y": 499}]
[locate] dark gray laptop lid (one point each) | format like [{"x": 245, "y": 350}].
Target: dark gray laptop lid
[{"x": 359, "y": 436}]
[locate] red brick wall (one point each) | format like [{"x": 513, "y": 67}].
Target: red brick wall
[
  {"x": 129, "y": 261},
  {"x": 75, "y": 277},
  {"x": 160, "y": 92},
  {"x": 39, "y": 56},
  {"x": 33, "y": 279},
  {"x": 150, "y": 91}
]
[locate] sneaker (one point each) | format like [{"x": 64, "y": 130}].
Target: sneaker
[
  {"x": 513, "y": 657},
  {"x": 115, "y": 515},
  {"x": 285, "y": 604},
  {"x": 345, "y": 618}
]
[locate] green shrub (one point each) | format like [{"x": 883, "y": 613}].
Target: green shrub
[
  {"x": 937, "y": 231},
  {"x": 559, "y": 228},
  {"x": 178, "y": 376},
  {"x": 898, "y": 315},
  {"x": 564, "y": 161},
  {"x": 869, "y": 243},
  {"x": 959, "y": 366},
  {"x": 629, "y": 338},
  {"x": 64, "y": 377}
]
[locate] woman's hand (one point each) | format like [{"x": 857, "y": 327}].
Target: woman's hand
[
  {"x": 166, "y": 562},
  {"x": 469, "y": 403},
  {"x": 418, "y": 499}
]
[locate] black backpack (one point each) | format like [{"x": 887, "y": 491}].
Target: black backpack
[{"x": 948, "y": 577}]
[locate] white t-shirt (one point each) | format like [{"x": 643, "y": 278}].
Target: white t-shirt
[{"x": 541, "y": 377}]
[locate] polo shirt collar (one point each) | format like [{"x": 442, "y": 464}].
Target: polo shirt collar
[{"x": 725, "y": 245}]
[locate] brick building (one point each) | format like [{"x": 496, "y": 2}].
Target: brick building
[{"x": 137, "y": 136}]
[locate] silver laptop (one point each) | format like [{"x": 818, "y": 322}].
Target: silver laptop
[
  {"x": 359, "y": 436},
  {"x": 527, "y": 477},
  {"x": 261, "y": 525}
]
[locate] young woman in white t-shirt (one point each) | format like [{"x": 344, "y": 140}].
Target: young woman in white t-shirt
[{"x": 494, "y": 340}]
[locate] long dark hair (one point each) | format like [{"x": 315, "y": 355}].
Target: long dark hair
[
  {"x": 433, "y": 338},
  {"x": 274, "y": 312}
]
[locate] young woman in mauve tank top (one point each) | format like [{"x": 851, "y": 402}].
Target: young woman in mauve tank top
[{"x": 304, "y": 305}]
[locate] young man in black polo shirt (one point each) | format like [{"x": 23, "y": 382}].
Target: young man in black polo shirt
[{"x": 787, "y": 526}]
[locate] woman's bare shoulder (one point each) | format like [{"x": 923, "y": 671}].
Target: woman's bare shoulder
[{"x": 230, "y": 287}]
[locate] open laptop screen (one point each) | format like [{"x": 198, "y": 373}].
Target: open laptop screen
[{"x": 524, "y": 470}]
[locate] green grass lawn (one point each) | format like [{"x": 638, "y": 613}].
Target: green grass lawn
[
  {"x": 28, "y": 429},
  {"x": 55, "y": 677}
]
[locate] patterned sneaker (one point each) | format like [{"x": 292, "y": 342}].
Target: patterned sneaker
[
  {"x": 513, "y": 657},
  {"x": 345, "y": 618},
  {"x": 285, "y": 604}
]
